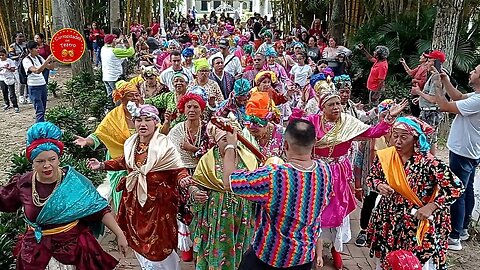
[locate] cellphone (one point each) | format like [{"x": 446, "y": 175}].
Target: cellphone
[{"x": 437, "y": 65}]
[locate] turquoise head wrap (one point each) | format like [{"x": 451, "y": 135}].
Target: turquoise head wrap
[
  {"x": 242, "y": 87},
  {"x": 417, "y": 128},
  {"x": 43, "y": 136}
]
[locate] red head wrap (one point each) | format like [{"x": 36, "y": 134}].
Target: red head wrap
[{"x": 186, "y": 98}]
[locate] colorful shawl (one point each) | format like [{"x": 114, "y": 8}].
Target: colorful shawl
[
  {"x": 205, "y": 173},
  {"x": 75, "y": 198},
  {"x": 392, "y": 167},
  {"x": 346, "y": 129},
  {"x": 164, "y": 156},
  {"x": 113, "y": 131}
]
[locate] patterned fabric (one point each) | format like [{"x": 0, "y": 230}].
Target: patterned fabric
[
  {"x": 223, "y": 227},
  {"x": 392, "y": 227},
  {"x": 291, "y": 203},
  {"x": 212, "y": 88}
]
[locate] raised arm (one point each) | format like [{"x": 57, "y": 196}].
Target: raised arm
[{"x": 452, "y": 92}]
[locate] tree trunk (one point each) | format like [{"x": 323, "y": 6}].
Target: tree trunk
[
  {"x": 72, "y": 17},
  {"x": 57, "y": 19},
  {"x": 115, "y": 20},
  {"x": 446, "y": 29},
  {"x": 336, "y": 26}
]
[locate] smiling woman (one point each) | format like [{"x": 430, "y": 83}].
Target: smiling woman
[{"x": 54, "y": 214}]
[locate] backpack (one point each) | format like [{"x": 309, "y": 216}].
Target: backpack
[{"x": 22, "y": 75}]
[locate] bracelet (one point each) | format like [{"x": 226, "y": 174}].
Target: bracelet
[{"x": 230, "y": 146}]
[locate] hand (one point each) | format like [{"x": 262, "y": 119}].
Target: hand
[
  {"x": 443, "y": 76},
  {"x": 185, "y": 182},
  {"x": 80, "y": 141},
  {"x": 318, "y": 261},
  {"x": 94, "y": 164},
  {"x": 122, "y": 244},
  {"x": 361, "y": 46},
  {"x": 168, "y": 117},
  {"x": 426, "y": 211},
  {"x": 385, "y": 190},
  {"x": 396, "y": 109},
  {"x": 415, "y": 90},
  {"x": 50, "y": 58},
  {"x": 187, "y": 146},
  {"x": 359, "y": 105},
  {"x": 200, "y": 196},
  {"x": 402, "y": 61},
  {"x": 232, "y": 137}
]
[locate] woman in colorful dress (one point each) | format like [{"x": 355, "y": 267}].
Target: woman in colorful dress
[
  {"x": 234, "y": 106},
  {"x": 271, "y": 65},
  {"x": 190, "y": 136},
  {"x": 148, "y": 213},
  {"x": 335, "y": 133},
  {"x": 151, "y": 85},
  {"x": 417, "y": 189},
  {"x": 319, "y": 84},
  {"x": 260, "y": 128},
  {"x": 223, "y": 223},
  {"x": 113, "y": 131},
  {"x": 60, "y": 207},
  {"x": 202, "y": 71}
]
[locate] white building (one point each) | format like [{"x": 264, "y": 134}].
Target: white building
[{"x": 244, "y": 8}]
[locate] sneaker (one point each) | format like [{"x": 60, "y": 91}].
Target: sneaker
[
  {"x": 454, "y": 244},
  {"x": 21, "y": 99},
  {"x": 464, "y": 235},
  {"x": 361, "y": 239},
  {"x": 17, "y": 110}
]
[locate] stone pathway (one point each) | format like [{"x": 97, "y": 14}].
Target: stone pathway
[{"x": 354, "y": 258}]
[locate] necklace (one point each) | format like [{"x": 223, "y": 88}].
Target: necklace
[
  {"x": 193, "y": 139},
  {"x": 331, "y": 139},
  {"x": 302, "y": 168},
  {"x": 266, "y": 139},
  {"x": 37, "y": 200},
  {"x": 141, "y": 147}
]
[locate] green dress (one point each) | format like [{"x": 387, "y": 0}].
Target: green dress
[{"x": 222, "y": 228}]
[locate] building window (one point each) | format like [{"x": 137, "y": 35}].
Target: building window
[
  {"x": 216, "y": 4},
  {"x": 204, "y": 6}
]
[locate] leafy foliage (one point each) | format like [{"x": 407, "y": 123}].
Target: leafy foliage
[
  {"x": 11, "y": 225},
  {"x": 53, "y": 87}
]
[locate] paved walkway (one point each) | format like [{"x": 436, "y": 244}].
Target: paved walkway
[{"x": 354, "y": 258}]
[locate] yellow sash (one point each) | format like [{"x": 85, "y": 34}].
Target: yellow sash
[
  {"x": 113, "y": 131},
  {"x": 345, "y": 130},
  {"x": 58, "y": 230},
  {"x": 205, "y": 174},
  {"x": 396, "y": 178}
]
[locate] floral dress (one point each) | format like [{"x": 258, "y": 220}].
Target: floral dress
[
  {"x": 393, "y": 227},
  {"x": 223, "y": 227}
]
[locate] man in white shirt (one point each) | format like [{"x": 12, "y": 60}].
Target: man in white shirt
[
  {"x": 232, "y": 63},
  {"x": 464, "y": 145},
  {"x": 34, "y": 65},
  {"x": 17, "y": 50},
  {"x": 112, "y": 59},
  {"x": 167, "y": 75}
]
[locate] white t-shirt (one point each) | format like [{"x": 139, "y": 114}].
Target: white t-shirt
[
  {"x": 233, "y": 66},
  {"x": 167, "y": 75},
  {"x": 464, "y": 137},
  {"x": 7, "y": 76},
  {"x": 301, "y": 73},
  {"x": 32, "y": 78}
]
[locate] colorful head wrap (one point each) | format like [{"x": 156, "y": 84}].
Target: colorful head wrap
[
  {"x": 267, "y": 33},
  {"x": 149, "y": 71},
  {"x": 200, "y": 51},
  {"x": 262, "y": 75},
  {"x": 200, "y": 64},
  {"x": 187, "y": 52},
  {"x": 197, "y": 89},
  {"x": 180, "y": 75},
  {"x": 230, "y": 28},
  {"x": 385, "y": 105},
  {"x": 143, "y": 110},
  {"x": 326, "y": 97},
  {"x": 297, "y": 44},
  {"x": 270, "y": 51},
  {"x": 259, "y": 109},
  {"x": 241, "y": 87},
  {"x": 328, "y": 71},
  {"x": 43, "y": 136},
  {"x": 417, "y": 128},
  {"x": 173, "y": 43},
  {"x": 322, "y": 84},
  {"x": 248, "y": 49},
  {"x": 316, "y": 78},
  {"x": 122, "y": 88},
  {"x": 343, "y": 81},
  {"x": 186, "y": 98},
  {"x": 243, "y": 40}
]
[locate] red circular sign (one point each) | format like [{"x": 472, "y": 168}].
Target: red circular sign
[{"x": 67, "y": 45}]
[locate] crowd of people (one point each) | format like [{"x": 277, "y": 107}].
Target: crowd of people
[{"x": 243, "y": 142}]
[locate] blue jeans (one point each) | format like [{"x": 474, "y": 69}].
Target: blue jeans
[
  {"x": 38, "y": 96},
  {"x": 97, "y": 50},
  {"x": 461, "y": 210},
  {"x": 110, "y": 87}
]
